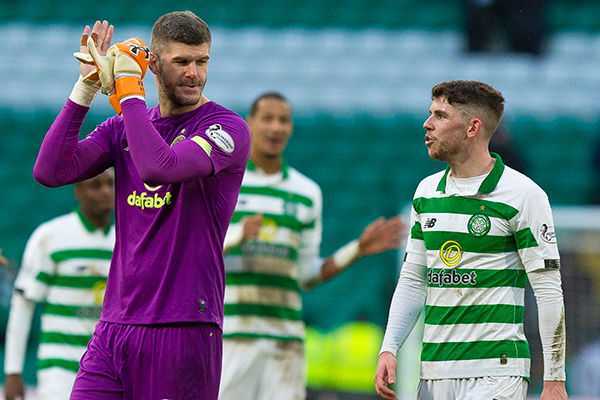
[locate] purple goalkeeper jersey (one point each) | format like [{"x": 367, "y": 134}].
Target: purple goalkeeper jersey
[{"x": 167, "y": 264}]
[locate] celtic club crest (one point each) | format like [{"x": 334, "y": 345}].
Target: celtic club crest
[{"x": 479, "y": 225}]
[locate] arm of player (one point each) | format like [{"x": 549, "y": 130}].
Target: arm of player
[
  {"x": 406, "y": 307},
  {"x": 3, "y": 260},
  {"x": 156, "y": 161},
  {"x": 546, "y": 286},
  {"x": 247, "y": 228},
  {"x": 539, "y": 254},
  {"x": 379, "y": 236},
  {"x": 386, "y": 375},
  {"x": 17, "y": 333},
  {"x": 63, "y": 159}
]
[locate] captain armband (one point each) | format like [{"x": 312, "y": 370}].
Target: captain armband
[{"x": 203, "y": 143}]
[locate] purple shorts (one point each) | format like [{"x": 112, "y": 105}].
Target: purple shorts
[{"x": 179, "y": 361}]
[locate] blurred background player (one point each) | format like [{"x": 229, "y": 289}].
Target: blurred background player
[
  {"x": 64, "y": 268},
  {"x": 272, "y": 252},
  {"x": 480, "y": 231},
  {"x": 3, "y": 260},
  {"x": 178, "y": 170}
]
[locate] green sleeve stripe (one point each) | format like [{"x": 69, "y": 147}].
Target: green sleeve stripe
[
  {"x": 281, "y": 220},
  {"x": 261, "y": 310},
  {"x": 454, "y": 351},
  {"x": 479, "y": 314},
  {"x": 247, "y": 335},
  {"x": 98, "y": 254},
  {"x": 89, "y": 312},
  {"x": 486, "y": 244},
  {"x": 72, "y": 366},
  {"x": 525, "y": 239},
  {"x": 64, "y": 338},
  {"x": 483, "y": 278},
  {"x": 76, "y": 282},
  {"x": 44, "y": 277},
  {"x": 282, "y": 194},
  {"x": 416, "y": 232},
  {"x": 252, "y": 278},
  {"x": 258, "y": 248},
  {"x": 464, "y": 205}
]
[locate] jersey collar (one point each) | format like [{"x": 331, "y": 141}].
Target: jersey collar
[
  {"x": 89, "y": 226},
  {"x": 488, "y": 184},
  {"x": 250, "y": 166}
]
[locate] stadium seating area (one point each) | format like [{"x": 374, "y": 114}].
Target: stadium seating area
[{"x": 389, "y": 14}]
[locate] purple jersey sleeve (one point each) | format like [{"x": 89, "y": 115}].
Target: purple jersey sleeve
[
  {"x": 225, "y": 139},
  {"x": 156, "y": 161},
  {"x": 63, "y": 158}
]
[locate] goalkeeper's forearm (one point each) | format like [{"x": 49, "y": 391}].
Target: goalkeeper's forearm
[{"x": 62, "y": 158}]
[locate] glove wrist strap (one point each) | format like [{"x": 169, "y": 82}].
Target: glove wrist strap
[
  {"x": 129, "y": 86},
  {"x": 83, "y": 93}
]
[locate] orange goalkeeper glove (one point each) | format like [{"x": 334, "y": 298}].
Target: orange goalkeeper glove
[
  {"x": 131, "y": 62},
  {"x": 131, "y": 59}
]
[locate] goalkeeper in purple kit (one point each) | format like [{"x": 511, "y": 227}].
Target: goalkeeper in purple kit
[{"x": 178, "y": 169}]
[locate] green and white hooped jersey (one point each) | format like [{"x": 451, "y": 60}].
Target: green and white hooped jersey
[
  {"x": 478, "y": 248},
  {"x": 65, "y": 265},
  {"x": 264, "y": 276}
]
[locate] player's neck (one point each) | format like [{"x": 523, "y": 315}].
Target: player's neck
[
  {"x": 168, "y": 108},
  {"x": 270, "y": 165},
  {"x": 475, "y": 164},
  {"x": 100, "y": 220}
]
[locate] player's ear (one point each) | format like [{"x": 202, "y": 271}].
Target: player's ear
[
  {"x": 153, "y": 63},
  {"x": 474, "y": 128}
]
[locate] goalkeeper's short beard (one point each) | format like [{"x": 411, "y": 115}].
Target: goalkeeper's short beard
[{"x": 169, "y": 91}]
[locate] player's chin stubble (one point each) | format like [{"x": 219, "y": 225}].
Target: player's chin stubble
[
  {"x": 169, "y": 90},
  {"x": 180, "y": 100}
]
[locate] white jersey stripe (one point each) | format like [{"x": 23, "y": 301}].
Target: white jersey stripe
[{"x": 472, "y": 332}]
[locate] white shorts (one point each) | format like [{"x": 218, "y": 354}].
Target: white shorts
[
  {"x": 262, "y": 369},
  {"x": 54, "y": 383},
  {"x": 486, "y": 388}
]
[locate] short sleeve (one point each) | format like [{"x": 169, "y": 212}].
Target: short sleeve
[
  {"x": 534, "y": 233},
  {"x": 37, "y": 267},
  {"x": 415, "y": 244},
  {"x": 310, "y": 244}
]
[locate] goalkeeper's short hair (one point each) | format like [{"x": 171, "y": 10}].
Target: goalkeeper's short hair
[{"x": 180, "y": 27}]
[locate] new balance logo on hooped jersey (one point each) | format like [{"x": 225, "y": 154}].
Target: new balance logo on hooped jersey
[{"x": 477, "y": 244}]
